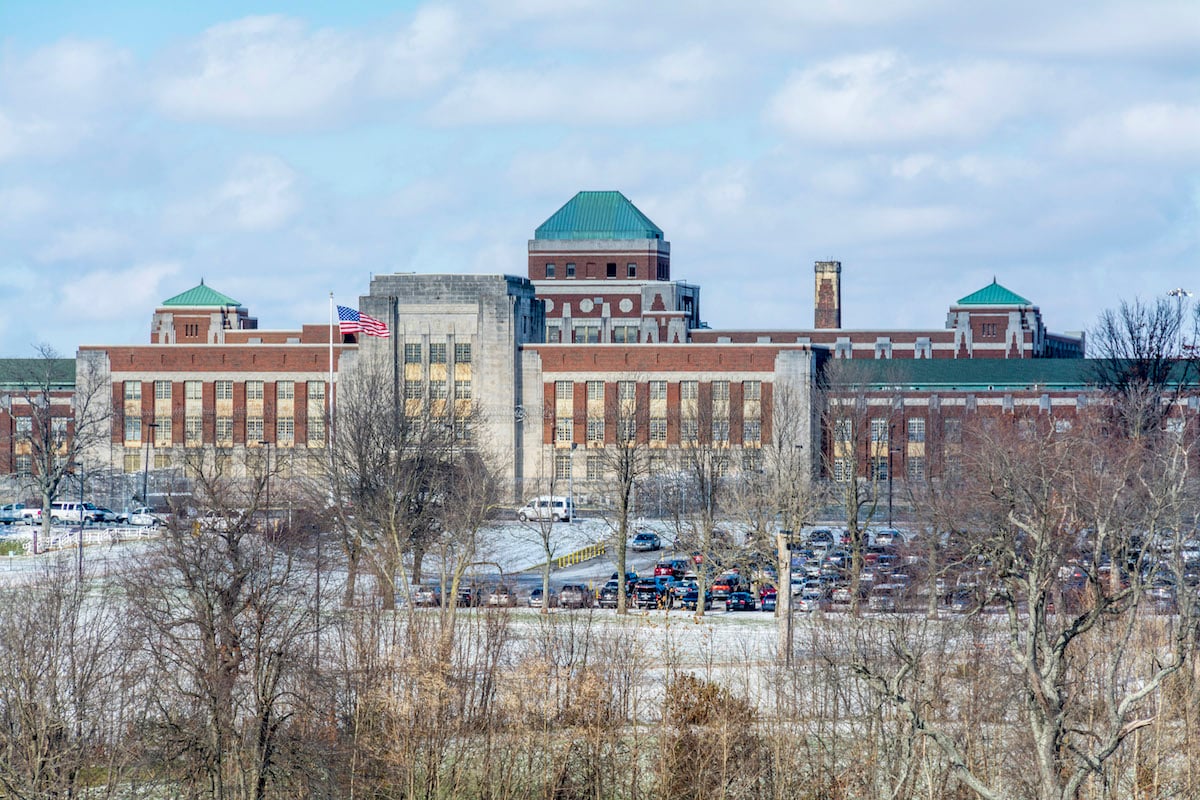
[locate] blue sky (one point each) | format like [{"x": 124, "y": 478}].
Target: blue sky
[{"x": 282, "y": 151}]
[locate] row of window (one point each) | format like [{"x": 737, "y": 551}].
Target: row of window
[
  {"x": 610, "y": 270},
  {"x": 438, "y": 352},
  {"x": 880, "y": 429},
  {"x": 589, "y": 331},
  {"x": 688, "y": 390},
  {"x": 689, "y": 430},
  {"x": 193, "y": 429},
  {"x": 223, "y": 390},
  {"x": 877, "y": 468},
  {"x": 595, "y": 467},
  {"x": 438, "y": 390}
]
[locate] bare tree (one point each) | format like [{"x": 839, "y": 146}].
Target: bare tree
[
  {"x": 63, "y": 416},
  {"x": 1144, "y": 358},
  {"x": 625, "y": 460},
  {"x": 1068, "y": 526}
]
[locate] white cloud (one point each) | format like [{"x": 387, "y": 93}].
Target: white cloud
[
  {"x": 1151, "y": 131},
  {"x": 673, "y": 85},
  {"x": 259, "y": 194},
  {"x": 105, "y": 295},
  {"x": 83, "y": 242},
  {"x": 882, "y": 98},
  {"x": 985, "y": 170},
  {"x": 274, "y": 69},
  {"x": 261, "y": 69}
]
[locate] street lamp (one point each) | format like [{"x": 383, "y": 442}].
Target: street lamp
[
  {"x": 571, "y": 483},
  {"x": 146, "y": 464},
  {"x": 890, "y": 450},
  {"x": 82, "y": 476}
]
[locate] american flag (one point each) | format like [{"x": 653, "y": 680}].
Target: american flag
[{"x": 351, "y": 320}]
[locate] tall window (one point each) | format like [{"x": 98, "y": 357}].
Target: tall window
[
  {"x": 595, "y": 430},
  {"x": 23, "y": 465},
  {"x": 462, "y": 390},
  {"x": 224, "y": 430},
  {"x": 316, "y": 429},
  {"x": 916, "y": 429},
  {"x": 564, "y": 390},
  {"x": 952, "y": 430},
  {"x": 133, "y": 429},
  {"x": 564, "y": 430},
  {"x": 133, "y": 390},
  {"x": 631, "y": 270},
  {"x": 720, "y": 391},
  {"x": 720, "y": 431},
  {"x": 689, "y": 430},
  {"x": 462, "y": 353},
  {"x": 627, "y": 429},
  {"x": 223, "y": 390},
  {"x": 254, "y": 390},
  {"x": 562, "y": 466},
  {"x": 689, "y": 390},
  {"x": 316, "y": 390},
  {"x": 193, "y": 430},
  {"x": 193, "y": 390},
  {"x": 626, "y": 391},
  {"x": 879, "y": 468},
  {"x": 916, "y": 468},
  {"x": 413, "y": 390},
  {"x": 752, "y": 460},
  {"x": 595, "y": 468},
  {"x": 625, "y": 334},
  {"x": 162, "y": 431},
  {"x": 254, "y": 429},
  {"x": 879, "y": 430},
  {"x": 549, "y": 269},
  {"x": 595, "y": 391},
  {"x": 285, "y": 429},
  {"x": 841, "y": 470},
  {"x": 658, "y": 390},
  {"x": 570, "y": 269},
  {"x": 437, "y": 353},
  {"x": 412, "y": 353},
  {"x": 285, "y": 390},
  {"x": 658, "y": 429},
  {"x": 437, "y": 390},
  {"x": 752, "y": 390},
  {"x": 162, "y": 390},
  {"x": 24, "y": 426},
  {"x": 752, "y": 431}
]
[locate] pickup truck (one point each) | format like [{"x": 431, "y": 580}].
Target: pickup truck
[{"x": 17, "y": 513}]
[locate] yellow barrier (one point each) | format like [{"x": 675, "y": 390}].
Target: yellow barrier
[{"x": 579, "y": 556}]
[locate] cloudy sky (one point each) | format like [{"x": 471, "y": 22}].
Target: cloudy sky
[{"x": 281, "y": 151}]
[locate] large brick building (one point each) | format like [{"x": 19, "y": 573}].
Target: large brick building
[{"x": 596, "y": 346}]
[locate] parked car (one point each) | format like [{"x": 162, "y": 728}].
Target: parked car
[
  {"x": 103, "y": 514},
  {"x": 502, "y": 596},
  {"x": 546, "y": 507},
  {"x": 535, "y": 598},
  {"x": 469, "y": 595},
  {"x": 812, "y": 600},
  {"x": 16, "y": 513},
  {"x": 740, "y": 601},
  {"x": 677, "y": 567},
  {"x": 608, "y": 595},
  {"x": 767, "y": 598},
  {"x": 574, "y": 595},
  {"x": 691, "y": 599},
  {"x": 726, "y": 584},
  {"x": 646, "y": 541},
  {"x": 841, "y": 595},
  {"x": 426, "y": 596},
  {"x": 648, "y": 593},
  {"x": 142, "y": 516},
  {"x": 885, "y": 597}
]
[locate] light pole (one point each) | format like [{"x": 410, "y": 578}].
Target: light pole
[
  {"x": 146, "y": 464},
  {"x": 891, "y": 437},
  {"x": 570, "y": 483},
  {"x": 82, "y": 477}
]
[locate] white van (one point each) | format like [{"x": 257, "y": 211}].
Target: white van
[{"x": 557, "y": 509}]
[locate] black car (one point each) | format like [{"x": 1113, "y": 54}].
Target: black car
[
  {"x": 608, "y": 595},
  {"x": 692, "y": 598},
  {"x": 740, "y": 601},
  {"x": 651, "y": 594}
]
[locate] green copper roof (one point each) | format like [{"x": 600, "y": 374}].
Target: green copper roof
[
  {"x": 598, "y": 215},
  {"x": 994, "y": 295},
  {"x": 201, "y": 296},
  {"x": 31, "y": 373}
]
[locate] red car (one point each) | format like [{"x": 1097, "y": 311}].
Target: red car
[
  {"x": 672, "y": 567},
  {"x": 767, "y": 597}
]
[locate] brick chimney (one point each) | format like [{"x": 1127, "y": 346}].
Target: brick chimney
[{"x": 827, "y": 297}]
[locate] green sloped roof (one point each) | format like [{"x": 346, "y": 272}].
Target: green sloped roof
[
  {"x": 994, "y": 295},
  {"x": 598, "y": 215},
  {"x": 972, "y": 374},
  {"x": 27, "y": 373},
  {"x": 201, "y": 296}
]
